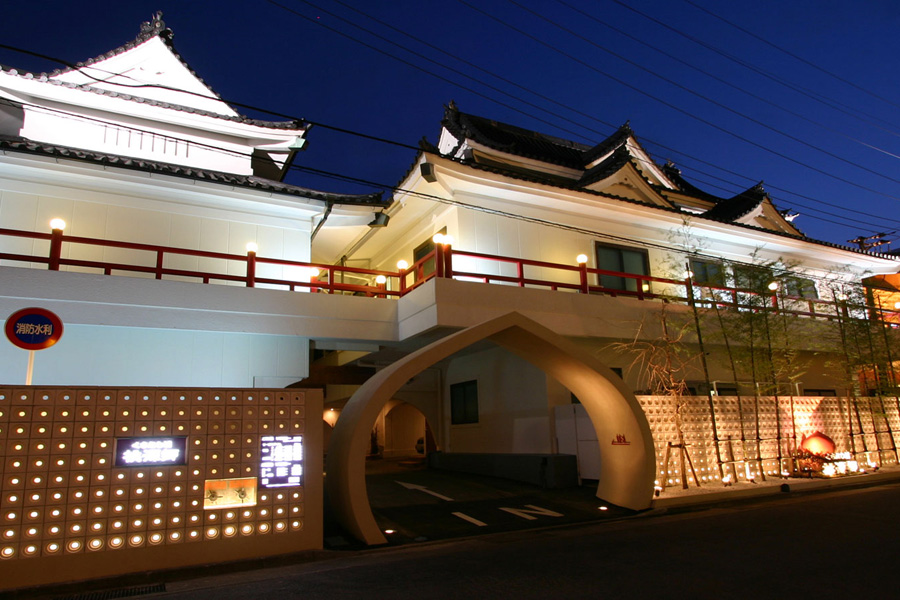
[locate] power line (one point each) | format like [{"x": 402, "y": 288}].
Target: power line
[
  {"x": 370, "y": 137},
  {"x": 792, "y": 55},
  {"x": 714, "y": 103},
  {"x": 447, "y": 201},
  {"x": 706, "y": 73},
  {"x": 829, "y": 102}
]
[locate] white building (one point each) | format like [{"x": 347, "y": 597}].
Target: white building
[
  {"x": 167, "y": 184},
  {"x": 133, "y": 146}
]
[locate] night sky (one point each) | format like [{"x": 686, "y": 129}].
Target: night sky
[{"x": 801, "y": 95}]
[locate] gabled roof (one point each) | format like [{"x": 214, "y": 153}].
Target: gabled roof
[
  {"x": 22, "y": 145},
  {"x": 514, "y": 140},
  {"x": 90, "y": 76},
  {"x": 732, "y": 209}
]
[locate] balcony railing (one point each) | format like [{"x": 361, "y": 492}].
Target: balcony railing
[{"x": 444, "y": 261}]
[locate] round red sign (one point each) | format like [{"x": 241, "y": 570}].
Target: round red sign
[{"x": 33, "y": 328}]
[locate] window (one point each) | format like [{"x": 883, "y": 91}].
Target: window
[
  {"x": 708, "y": 273},
  {"x": 423, "y": 250},
  {"x": 464, "y": 403},
  {"x": 802, "y": 288},
  {"x": 623, "y": 260}
]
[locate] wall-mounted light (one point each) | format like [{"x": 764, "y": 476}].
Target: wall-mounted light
[
  {"x": 57, "y": 224},
  {"x": 381, "y": 220}
]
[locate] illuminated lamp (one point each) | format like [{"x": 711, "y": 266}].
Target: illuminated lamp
[
  {"x": 402, "y": 265},
  {"x": 380, "y": 279},
  {"x": 581, "y": 259},
  {"x": 773, "y": 286},
  {"x": 57, "y": 224},
  {"x": 817, "y": 443},
  {"x": 252, "y": 247}
]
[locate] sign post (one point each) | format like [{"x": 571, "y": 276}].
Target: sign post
[{"x": 33, "y": 329}]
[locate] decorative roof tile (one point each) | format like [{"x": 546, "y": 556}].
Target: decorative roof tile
[{"x": 732, "y": 209}]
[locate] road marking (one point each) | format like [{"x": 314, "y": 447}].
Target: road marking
[
  {"x": 472, "y": 520},
  {"x": 422, "y": 488},
  {"x": 531, "y": 509}
]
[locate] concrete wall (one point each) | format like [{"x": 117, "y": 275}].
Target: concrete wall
[{"x": 512, "y": 405}]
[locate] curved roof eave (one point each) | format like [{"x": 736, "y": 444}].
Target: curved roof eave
[{"x": 522, "y": 177}]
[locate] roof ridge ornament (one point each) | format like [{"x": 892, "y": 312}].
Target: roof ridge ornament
[{"x": 154, "y": 26}]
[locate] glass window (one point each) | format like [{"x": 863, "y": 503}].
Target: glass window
[
  {"x": 464, "y": 402},
  {"x": 622, "y": 260},
  {"x": 803, "y": 288},
  {"x": 423, "y": 250},
  {"x": 708, "y": 273}
]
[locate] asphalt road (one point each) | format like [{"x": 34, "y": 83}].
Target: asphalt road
[{"x": 838, "y": 544}]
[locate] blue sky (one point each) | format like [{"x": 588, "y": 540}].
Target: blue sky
[{"x": 801, "y": 95}]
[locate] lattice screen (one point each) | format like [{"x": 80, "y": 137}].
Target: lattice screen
[{"x": 743, "y": 447}]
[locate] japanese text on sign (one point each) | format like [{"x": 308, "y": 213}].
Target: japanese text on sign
[
  {"x": 281, "y": 460},
  {"x": 150, "y": 451},
  {"x": 34, "y": 329}
]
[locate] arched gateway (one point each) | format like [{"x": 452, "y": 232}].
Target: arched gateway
[{"x": 626, "y": 445}]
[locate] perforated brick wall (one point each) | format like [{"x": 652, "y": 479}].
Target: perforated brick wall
[{"x": 66, "y": 504}]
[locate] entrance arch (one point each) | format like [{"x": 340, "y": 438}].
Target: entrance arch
[{"x": 626, "y": 444}]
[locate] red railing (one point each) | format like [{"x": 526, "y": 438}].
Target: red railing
[{"x": 332, "y": 279}]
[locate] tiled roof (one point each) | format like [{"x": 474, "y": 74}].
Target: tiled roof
[
  {"x": 514, "y": 140},
  {"x": 555, "y": 183},
  {"x": 609, "y": 166},
  {"x": 149, "y": 30},
  {"x": 732, "y": 209},
  {"x": 551, "y": 150},
  {"x": 18, "y": 144}
]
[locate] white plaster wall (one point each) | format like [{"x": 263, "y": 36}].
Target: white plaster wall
[
  {"x": 140, "y": 356},
  {"x": 151, "y": 214},
  {"x": 513, "y": 415}
]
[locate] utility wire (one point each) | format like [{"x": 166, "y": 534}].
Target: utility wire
[
  {"x": 453, "y": 202},
  {"x": 488, "y": 72},
  {"x": 351, "y": 132},
  {"x": 829, "y": 102},
  {"x": 693, "y": 67},
  {"x": 792, "y": 55},
  {"x": 716, "y": 103}
]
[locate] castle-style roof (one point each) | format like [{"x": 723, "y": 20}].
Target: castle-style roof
[
  {"x": 610, "y": 166},
  {"x": 98, "y": 75}
]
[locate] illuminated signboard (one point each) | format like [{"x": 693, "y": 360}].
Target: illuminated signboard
[
  {"x": 281, "y": 461},
  {"x": 150, "y": 451}
]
